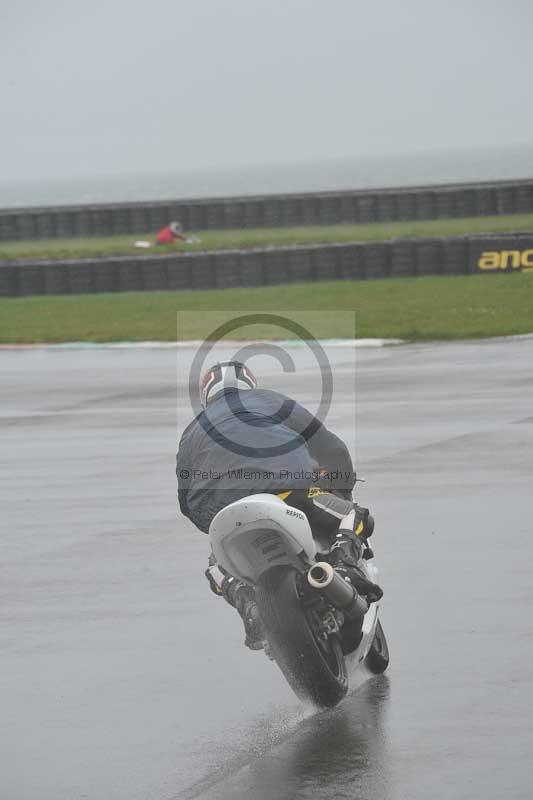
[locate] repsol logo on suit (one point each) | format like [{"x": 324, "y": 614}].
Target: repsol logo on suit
[{"x": 506, "y": 259}]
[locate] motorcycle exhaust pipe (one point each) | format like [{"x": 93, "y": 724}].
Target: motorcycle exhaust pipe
[{"x": 341, "y": 593}]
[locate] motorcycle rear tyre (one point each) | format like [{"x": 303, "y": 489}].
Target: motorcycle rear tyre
[{"x": 316, "y": 672}]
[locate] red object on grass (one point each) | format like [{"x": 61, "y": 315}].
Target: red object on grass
[{"x": 166, "y": 236}]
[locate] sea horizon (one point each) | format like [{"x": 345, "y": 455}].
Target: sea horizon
[{"x": 335, "y": 174}]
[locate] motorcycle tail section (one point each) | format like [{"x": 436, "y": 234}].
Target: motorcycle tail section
[{"x": 258, "y": 533}]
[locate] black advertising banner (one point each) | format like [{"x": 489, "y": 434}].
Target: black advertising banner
[{"x": 495, "y": 254}]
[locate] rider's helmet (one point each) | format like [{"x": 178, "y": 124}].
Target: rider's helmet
[{"x": 225, "y": 375}]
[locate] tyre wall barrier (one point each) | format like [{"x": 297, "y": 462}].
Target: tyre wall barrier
[
  {"x": 270, "y": 211},
  {"x": 395, "y": 258}
]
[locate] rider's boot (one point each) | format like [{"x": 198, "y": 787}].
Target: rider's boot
[
  {"x": 347, "y": 550},
  {"x": 241, "y": 597}
]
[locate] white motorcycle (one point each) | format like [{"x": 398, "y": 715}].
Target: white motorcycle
[{"x": 319, "y": 630}]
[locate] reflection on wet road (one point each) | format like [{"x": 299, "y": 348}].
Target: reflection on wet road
[{"x": 337, "y": 753}]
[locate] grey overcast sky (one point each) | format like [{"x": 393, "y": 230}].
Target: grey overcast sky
[{"x": 122, "y": 86}]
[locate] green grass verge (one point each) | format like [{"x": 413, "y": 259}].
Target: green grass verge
[
  {"x": 410, "y": 308},
  {"x": 265, "y": 237}
]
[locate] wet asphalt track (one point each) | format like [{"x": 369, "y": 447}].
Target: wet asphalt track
[{"x": 123, "y": 678}]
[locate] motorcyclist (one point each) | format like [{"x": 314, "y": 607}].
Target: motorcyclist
[{"x": 248, "y": 441}]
